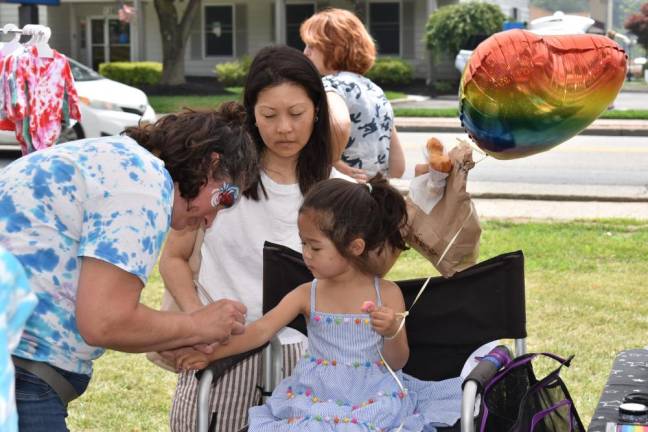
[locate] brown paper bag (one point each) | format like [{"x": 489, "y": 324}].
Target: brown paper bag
[
  {"x": 168, "y": 302},
  {"x": 449, "y": 235}
]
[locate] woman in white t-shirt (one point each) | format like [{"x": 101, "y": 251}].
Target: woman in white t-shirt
[{"x": 288, "y": 118}]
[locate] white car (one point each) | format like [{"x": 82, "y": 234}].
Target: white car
[
  {"x": 556, "y": 24},
  {"x": 107, "y": 107}
]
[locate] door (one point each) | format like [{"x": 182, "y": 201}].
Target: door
[{"x": 109, "y": 41}]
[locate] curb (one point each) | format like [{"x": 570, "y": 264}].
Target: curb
[
  {"x": 561, "y": 198},
  {"x": 603, "y": 127},
  {"x": 595, "y": 196}
]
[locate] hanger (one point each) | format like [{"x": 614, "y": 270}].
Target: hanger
[
  {"x": 39, "y": 37},
  {"x": 44, "y": 50},
  {"x": 13, "y": 44}
]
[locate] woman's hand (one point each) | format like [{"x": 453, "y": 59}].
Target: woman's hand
[
  {"x": 385, "y": 321},
  {"x": 357, "y": 174}
]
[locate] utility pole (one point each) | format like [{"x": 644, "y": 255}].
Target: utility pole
[{"x": 610, "y": 15}]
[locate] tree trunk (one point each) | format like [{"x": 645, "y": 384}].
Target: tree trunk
[{"x": 174, "y": 38}]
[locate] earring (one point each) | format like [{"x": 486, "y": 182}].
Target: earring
[{"x": 316, "y": 118}]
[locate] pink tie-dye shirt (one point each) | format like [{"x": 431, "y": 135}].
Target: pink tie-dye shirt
[{"x": 48, "y": 101}]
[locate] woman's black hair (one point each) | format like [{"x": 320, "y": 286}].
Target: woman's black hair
[
  {"x": 344, "y": 211},
  {"x": 281, "y": 64},
  {"x": 185, "y": 141}
]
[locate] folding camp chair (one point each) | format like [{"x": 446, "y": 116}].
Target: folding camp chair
[{"x": 451, "y": 319}]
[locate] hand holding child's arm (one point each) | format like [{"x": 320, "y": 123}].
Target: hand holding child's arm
[{"x": 256, "y": 334}]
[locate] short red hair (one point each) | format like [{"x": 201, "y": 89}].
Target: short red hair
[{"x": 342, "y": 37}]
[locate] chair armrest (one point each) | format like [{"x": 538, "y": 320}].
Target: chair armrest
[
  {"x": 469, "y": 401},
  {"x": 209, "y": 375},
  {"x": 475, "y": 382}
]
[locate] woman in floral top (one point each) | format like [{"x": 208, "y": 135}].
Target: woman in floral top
[{"x": 342, "y": 50}]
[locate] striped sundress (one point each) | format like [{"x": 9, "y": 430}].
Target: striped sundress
[{"x": 341, "y": 384}]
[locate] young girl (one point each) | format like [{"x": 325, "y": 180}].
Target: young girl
[{"x": 343, "y": 379}]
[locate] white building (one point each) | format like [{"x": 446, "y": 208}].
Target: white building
[{"x": 90, "y": 31}]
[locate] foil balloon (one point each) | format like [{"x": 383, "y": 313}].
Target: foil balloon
[{"x": 522, "y": 94}]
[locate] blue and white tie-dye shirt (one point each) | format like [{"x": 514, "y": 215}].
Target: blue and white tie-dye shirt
[
  {"x": 16, "y": 303},
  {"x": 105, "y": 198},
  {"x": 372, "y": 119}
]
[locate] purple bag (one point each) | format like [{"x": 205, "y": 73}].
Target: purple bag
[{"x": 514, "y": 400}]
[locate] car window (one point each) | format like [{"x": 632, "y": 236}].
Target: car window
[{"x": 83, "y": 73}]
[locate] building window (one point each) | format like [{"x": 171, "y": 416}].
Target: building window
[
  {"x": 219, "y": 31},
  {"x": 384, "y": 26},
  {"x": 296, "y": 14}
]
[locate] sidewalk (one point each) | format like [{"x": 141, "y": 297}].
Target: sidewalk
[
  {"x": 605, "y": 127},
  {"x": 524, "y": 201}
]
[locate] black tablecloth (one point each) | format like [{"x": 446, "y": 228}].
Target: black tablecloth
[{"x": 629, "y": 374}]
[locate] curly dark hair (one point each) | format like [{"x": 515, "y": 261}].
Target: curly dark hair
[
  {"x": 344, "y": 211},
  {"x": 186, "y": 140},
  {"x": 280, "y": 64}
]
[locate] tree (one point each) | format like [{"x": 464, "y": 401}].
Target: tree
[
  {"x": 451, "y": 27},
  {"x": 175, "y": 35},
  {"x": 622, "y": 10},
  {"x": 566, "y": 6},
  {"x": 638, "y": 24}
]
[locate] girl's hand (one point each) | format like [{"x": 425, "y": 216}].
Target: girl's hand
[
  {"x": 385, "y": 321},
  {"x": 192, "y": 360}
]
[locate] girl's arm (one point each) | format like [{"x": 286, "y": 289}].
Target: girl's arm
[
  {"x": 175, "y": 270},
  {"x": 386, "y": 322},
  {"x": 257, "y": 333},
  {"x": 396, "y": 156}
]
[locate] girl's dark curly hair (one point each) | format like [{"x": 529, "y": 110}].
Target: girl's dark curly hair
[
  {"x": 185, "y": 142},
  {"x": 344, "y": 211}
]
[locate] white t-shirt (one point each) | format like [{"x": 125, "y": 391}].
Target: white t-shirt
[{"x": 232, "y": 252}]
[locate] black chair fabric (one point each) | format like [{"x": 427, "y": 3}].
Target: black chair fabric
[
  {"x": 457, "y": 315},
  {"x": 451, "y": 319}
]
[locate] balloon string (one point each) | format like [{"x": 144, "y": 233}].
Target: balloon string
[{"x": 475, "y": 149}]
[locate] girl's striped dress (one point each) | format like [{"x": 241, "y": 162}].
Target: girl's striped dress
[{"x": 341, "y": 384}]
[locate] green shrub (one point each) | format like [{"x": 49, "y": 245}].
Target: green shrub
[
  {"x": 390, "y": 71},
  {"x": 451, "y": 27},
  {"x": 445, "y": 87},
  {"x": 132, "y": 73},
  {"x": 233, "y": 73}
]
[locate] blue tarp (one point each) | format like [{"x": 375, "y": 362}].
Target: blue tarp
[{"x": 36, "y": 2}]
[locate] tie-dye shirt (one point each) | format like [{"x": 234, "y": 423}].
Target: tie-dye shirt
[
  {"x": 16, "y": 303},
  {"x": 106, "y": 198}
]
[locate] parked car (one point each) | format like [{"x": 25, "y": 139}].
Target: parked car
[
  {"x": 107, "y": 107},
  {"x": 556, "y": 24}
]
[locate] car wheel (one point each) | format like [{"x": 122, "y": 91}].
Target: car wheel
[{"x": 71, "y": 134}]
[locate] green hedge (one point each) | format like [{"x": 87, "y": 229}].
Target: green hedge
[
  {"x": 132, "y": 73},
  {"x": 390, "y": 71},
  {"x": 233, "y": 73}
]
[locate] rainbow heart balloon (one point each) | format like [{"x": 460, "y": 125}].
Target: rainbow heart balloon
[{"x": 522, "y": 94}]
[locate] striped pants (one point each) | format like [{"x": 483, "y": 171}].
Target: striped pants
[{"x": 231, "y": 396}]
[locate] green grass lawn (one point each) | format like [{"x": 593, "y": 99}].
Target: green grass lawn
[
  {"x": 586, "y": 290},
  {"x": 168, "y": 104}
]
